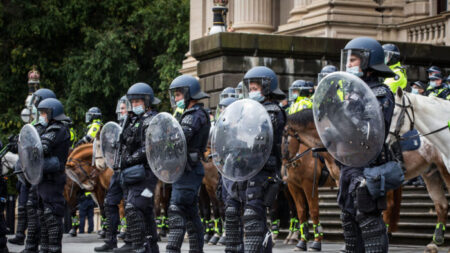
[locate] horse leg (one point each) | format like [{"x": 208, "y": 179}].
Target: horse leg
[
  {"x": 313, "y": 203},
  {"x": 274, "y": 214},
  {"x": 158, "y": 200},
  {"x": 300, "y": 202},
  {"x": 434, "y": 184},
  {"x": 389, "y": 213},
  {"x": 205, "y": 211}
]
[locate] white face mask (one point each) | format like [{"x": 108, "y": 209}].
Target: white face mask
[
  {"x": 433, "y": 84},
  {"x": 256, "y": 95},
  {"x": 43, "y": 121},
  {"x": 414, "y": 91},
  {"x": 138, "y": 110},
  {"x": 355, "y": 71}
]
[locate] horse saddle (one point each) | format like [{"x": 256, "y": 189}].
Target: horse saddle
[{"x": 411, "y": 141}]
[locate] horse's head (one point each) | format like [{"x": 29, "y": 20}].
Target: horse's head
[
  {"x": 79, "y": 167},
  {"x": 8, "y": 162},
  {"x": 403, "y": 117},
  {"x": 99, "y": 162},
  {"x": 302, "y": 124}
]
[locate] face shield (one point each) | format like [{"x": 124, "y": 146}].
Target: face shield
[
  {"x": 352, "y": 58},
  {"x": 263, "y": 82},
  {"x": 240, "y": 91},
  {"x": 388, "y": 56},
  {"x": 227, "y": 95},
  {"x": 219, "y": 110},
  {"x": 179, "y": 95},
  {"x": 294, "y": 93},
  {"x": 320, "y": 76},
  {"x": 122, "y": 108}
]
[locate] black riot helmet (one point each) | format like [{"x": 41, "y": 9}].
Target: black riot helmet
[
  {"x": 189, "y": 87},
  {"x": 92, "y": 114},
  {"x": 391, "y": 54},
  {"x": 143, "y": 91},
  {"x": 268, "y": 80},
  {"x": 54, "y": 109},
  {"x": 371, "y": 56},
  {"x": 40, "y": 95}
]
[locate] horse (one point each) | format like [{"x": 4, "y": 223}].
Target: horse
[
  {"x": 80, "y": 171},
  {"x": 416, "y": 163},
  {"x": 429, "y": 115},
  {"x": 9, "y": 160},
  {"x": 162, "y": 201},
  {"x": 304, "y": 176}
]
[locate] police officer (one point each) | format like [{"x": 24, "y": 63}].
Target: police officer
[
  {"x": 141, "y": 225},
  {"x": 328, "y": 69},
  {"x": 228, "y": 93},
  {"x": 418, "y": 88},
  {"x": 86, "y": 207},
  {"x": 300, "y": 94},
  {"x": 27, "y": 209},
  {"x": 239, "y": 90},
  {"x": 55, "y": 144},
  {"x": 392, "y": 59},
  {"x": 433, "y": 70},
  {"x": 183, "y": 212},
  {"x": 94, "y": 119},
  {"x": 364, "y": 229},
  {"x": 115, "y": 194},
  {"x": 437, "y": 87},
  {"x": 253, "y": 198}
]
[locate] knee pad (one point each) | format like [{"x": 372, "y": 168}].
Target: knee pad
[
  {"x": 374, "y": 234},
  {"x": 254, "y": 224}
]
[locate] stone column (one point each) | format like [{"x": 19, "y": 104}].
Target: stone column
[
  {"x": 299, "y": 10},
  {"x": 253, "y": 16}
]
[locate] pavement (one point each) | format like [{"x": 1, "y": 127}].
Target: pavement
[{"x": 85, "y": 243}]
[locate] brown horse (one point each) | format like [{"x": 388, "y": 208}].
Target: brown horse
[
  {"x": 80, "y": 171},
  {"x": 302, "y": 176},
  {"x": 415, "y": 162}
]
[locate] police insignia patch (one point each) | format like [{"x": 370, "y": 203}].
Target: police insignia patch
[{"x": 396, "y": 77}]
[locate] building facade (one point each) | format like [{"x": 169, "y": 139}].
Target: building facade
[{"x": 414, "y": 21}]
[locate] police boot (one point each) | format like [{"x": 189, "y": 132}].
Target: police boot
[
  {"x": 21, "y": 226},
  {"x": 127, "y": 247},
  {"x": 107, "y": 247},
  {"x": 177, "y": 225},
  {"x": 374, "y": 233},
  {"x": 233, "y": 238},
  {"x": 136, "y": 227},
  {"x": 54, "y": 225},
  {"x": 351, "y": 233},
  {"x": 32, "y": 242},
  {"x": 195, "y": 236},
  {"x": 223, "y": 239},
  {"x": 44, "y": 243}
]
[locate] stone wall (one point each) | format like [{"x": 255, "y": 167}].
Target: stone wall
[{"x": 224, "y": 58}]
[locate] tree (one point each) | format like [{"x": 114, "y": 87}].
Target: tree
[{"x": 88, "y": 52}]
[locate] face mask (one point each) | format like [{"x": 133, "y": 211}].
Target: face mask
[
  {"x": 295, "y": 96},
  {"x": 433, "y": 84},
  {"x": 34, "y": 110},
  {"x": 355, "y": 71},
  {"x": 256, "y": 95},
  {"x": 414, "y": 91},
  {"x": 138, "y": 110},
  {"x": 180, "y": 104},
  {"x": 43, "y": 121}
]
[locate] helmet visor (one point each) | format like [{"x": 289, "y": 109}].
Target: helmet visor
[
  {"x": 294, "y": 93},
  {"x": 122, "y": 108},
  {"x": 320, "y": 76},
  {"x": 388, "y": 56},
  {"x": 178, "y": 94},
  {"x": 240, "y": 91},
  {"x": 227, "y": 95},
  {"x": 264, "y": 82},
  {"x": 354, "y": 57}
]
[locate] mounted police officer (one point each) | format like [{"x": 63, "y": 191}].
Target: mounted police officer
[
  {"x": 28, "y": 193},
  {"x": 55, "y": 145},
  {"x": 115, "y": 194},
  {"x": 94, "y": 119},
  {"x": 437, "y": 87},
  {"x": 138, "y": 181},
  {"x": 183, "y": 212},
  {"x": 392, "y": 59},
  {"x": 300, "y": 94},
  {"x": 364, "y": 229},
  {"x": 252, "y": 197}
]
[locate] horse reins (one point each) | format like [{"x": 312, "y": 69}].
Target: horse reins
[
  {"x": 411, "y": 116},
  {"x": 78, "y": 163}
]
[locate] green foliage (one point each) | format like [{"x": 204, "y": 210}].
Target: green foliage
[{"x": 88, "y": 52}]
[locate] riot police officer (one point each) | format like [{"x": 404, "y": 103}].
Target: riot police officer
[
  {"x": 115, "y": 194},
  {"x": 141, "y": 225},
  {"x": 228, "y": 93},
  {"x": 364, "y": 229},
  {"x": 94, "y": 119},
  {"x": 392, "y": 59},
  {"x": 239, "y": 90},
  {"x": 55, "y": 145},
  {"x": 183, "y": 213},
  {"x": 256, "y": 194},
  {"x": 438, "y": 88},
  {"x": 300, "y": 94},
  {"x": 328, "y": 69}
]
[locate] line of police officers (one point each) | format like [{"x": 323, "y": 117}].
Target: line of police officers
[{"x": 245, "y": 206}]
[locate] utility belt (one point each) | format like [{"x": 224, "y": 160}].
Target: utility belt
[{"x": 133, "y": 175}]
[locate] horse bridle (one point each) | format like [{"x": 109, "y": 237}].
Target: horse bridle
[
  {"x": 79, "y": 164},
  {"x": 291, "y": 160},
  {"x": 411, "y": 116}
]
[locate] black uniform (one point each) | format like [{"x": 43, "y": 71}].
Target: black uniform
[
  {"x": 141, "y": 224},
  {"x": 361, "y": 214},
  {"x": 3, "y": 231},
  {"x": 55, "y": 144}
]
